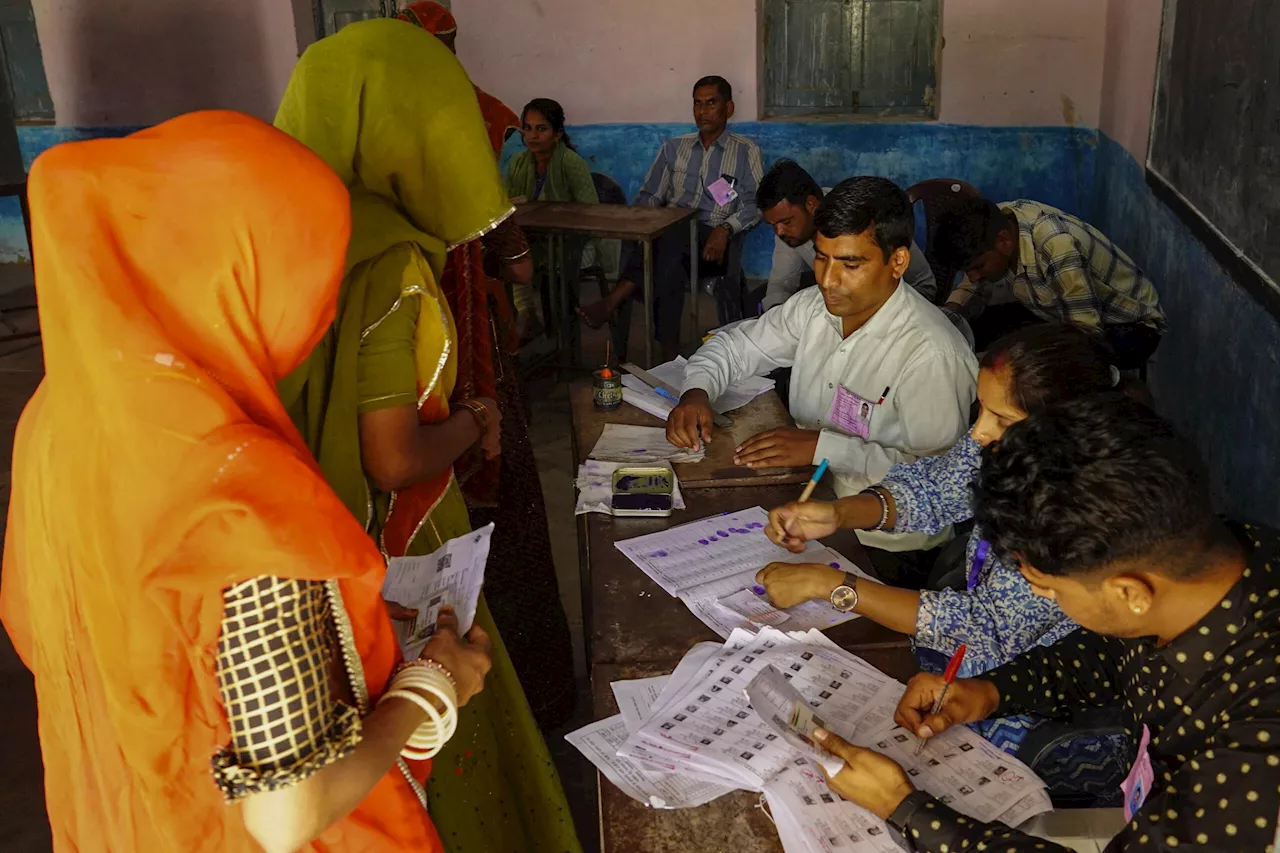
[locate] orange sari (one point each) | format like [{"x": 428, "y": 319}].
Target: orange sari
[{"x": 184, "y": 270}]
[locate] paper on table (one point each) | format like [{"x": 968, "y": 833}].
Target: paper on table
[
  {"x": 636, "y": 696},
  {"x": 812, "y": 818},
  {"x": 706, "y": 727},
  {"x": 451, "y": 575},
  {"x": 660, "y": 789},
  {"x": 595, "y": 486},
  {"x": 636, "y": 445},
  {"x": 713, "y": 602},
  {"x": 735, "y": 396},
  {"x": 785, "y": 711},
  {"x": 807, "y": 615},
  {"x": 683, "y": 557},
  {"x": 640, "y": 395}
]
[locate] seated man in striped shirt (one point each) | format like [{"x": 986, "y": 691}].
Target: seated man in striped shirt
[
  {"x": 717, "y": 173},
  {"x": 1060, "y": 270}
]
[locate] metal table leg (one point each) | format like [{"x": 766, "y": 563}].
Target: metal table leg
[
  {"x": 554, "y": 319},
  {"x": 648, "y": 303},
  {"x": 693, "y": 280}
]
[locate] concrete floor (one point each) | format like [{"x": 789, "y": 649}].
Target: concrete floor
[{"x": 23, "y": 825}]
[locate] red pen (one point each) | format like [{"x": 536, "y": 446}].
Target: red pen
[
  {"x": 880, "y": 402},
  {"x": 948, "y": 676}
]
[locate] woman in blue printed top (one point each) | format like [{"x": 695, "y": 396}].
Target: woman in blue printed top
[{"x": 997, "y": 615}]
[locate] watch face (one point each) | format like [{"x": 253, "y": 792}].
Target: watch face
[{"x": 844, "y": 598}]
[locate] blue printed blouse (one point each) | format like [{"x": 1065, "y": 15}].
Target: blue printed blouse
[{"x": 1002, "y": 617}]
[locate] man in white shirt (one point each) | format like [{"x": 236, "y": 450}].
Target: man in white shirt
[
  {"x": 788, "y": 198},
  {"x": 880, "y": 375}
]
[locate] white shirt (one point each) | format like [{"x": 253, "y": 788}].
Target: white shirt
[
  {"x": 908, "y": 346},
  {"x": 792, "y": 262}
]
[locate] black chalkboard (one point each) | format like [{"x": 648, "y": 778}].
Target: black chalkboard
[{"x": 1215, "y": 140}]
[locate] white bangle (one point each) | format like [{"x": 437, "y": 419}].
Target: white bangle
[
  {"x": 410, "y": 684},
  {"x": 431, "y": 681}
]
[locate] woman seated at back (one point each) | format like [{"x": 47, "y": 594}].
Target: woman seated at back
[
  {"x": 995, "y": 612},
  {"x": 549, "y": 169}
]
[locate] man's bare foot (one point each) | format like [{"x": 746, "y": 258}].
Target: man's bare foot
[{"x": 597, "y": 314}]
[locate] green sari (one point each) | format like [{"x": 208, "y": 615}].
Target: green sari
[{"x": 393, "y": 113}]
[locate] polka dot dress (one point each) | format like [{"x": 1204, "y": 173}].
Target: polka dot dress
[{"x": 1210, "y": 699}]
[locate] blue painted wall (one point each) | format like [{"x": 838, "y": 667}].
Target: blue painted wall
[
  {"x": 1050, "y": 164},
  {"x": 34, "y": 141},
  {"x": 1217, "y": 372}
]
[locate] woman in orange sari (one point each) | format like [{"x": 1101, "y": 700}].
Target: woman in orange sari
[
  {"x": 176, "y": 569},
  {"x": 525, "y": 600}
]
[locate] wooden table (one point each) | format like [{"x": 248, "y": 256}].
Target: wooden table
[
  {"x": 616, "y": 222},
  {"x": 717, "y": 469},
  {"x": 629, "y": 618},
  {"x": 730, "y": 824},
  {"x": 634, "y": 629}
]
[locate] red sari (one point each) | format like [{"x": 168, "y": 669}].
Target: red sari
[
  {"x": 464, "y": 282},
  {"x": 526, "y": 603}
]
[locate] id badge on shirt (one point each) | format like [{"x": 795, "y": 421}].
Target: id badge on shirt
[
  {"x": 851, "y": 413},
  {"x": 1137, "y": 785},
  {"x": 722, "y": 190}
]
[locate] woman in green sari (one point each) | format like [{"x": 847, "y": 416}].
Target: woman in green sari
[{"x": 373, "y": 401}]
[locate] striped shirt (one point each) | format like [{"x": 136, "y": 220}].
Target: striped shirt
[
  {"x": 1067, "y": 271},
  {"x": 683, "y": 170}
]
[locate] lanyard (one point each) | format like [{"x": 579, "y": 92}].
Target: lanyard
[{"x": 979, "y": 557}]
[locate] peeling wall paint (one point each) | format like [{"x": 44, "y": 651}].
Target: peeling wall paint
[
  {"x": 1216, "y": 375},
  {"x": 1050, "y": 164}
]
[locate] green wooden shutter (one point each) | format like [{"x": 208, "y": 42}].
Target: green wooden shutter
[
  {"x": 336, "y": 14},
  {"x": 850, "y": 56},
  {"x": 895, "y": 43},
  {"x": 808, "y": 61},
  {"x": 26, "y": 87}
]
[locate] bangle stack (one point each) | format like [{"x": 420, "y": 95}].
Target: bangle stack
[
  {"x": 480, "y": 412},
  {"x": 410, "y": 681},
  {"x": 884, "y": 507}
]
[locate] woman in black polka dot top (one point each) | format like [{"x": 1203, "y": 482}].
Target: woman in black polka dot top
[{"x": 1109, "y": 514}]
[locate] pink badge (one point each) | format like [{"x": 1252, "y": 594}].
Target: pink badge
[
  {"x": 1137, "y": 785},
  {"x": 851, "y": 413},
  {"x": 722, "y": 191}
]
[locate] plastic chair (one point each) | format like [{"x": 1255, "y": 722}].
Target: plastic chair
[{"x": 937, "y": 195}]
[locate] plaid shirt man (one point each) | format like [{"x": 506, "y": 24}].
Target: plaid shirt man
[
  {"x": 1067, "y": 271},
  {"x": 683, "y": 170}
]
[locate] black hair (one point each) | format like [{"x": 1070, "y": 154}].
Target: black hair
[
  {"x": 1082, "y": 485},
  {"x": 553, "y": 113},
  {"x": 1052, "y": 362},
  {"x": 722, "y": 86},
  {"x": 967, "y": 229},
  {"x": 857, "y": 204},
  {"x": 786, "y": 181}
]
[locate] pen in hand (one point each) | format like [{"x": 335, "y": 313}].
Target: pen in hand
[
  {"x": 813, "y": 481},
  {"x": 947, "y": 677}
]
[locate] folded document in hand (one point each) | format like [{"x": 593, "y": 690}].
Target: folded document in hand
[{"x": 452, "y": 575}]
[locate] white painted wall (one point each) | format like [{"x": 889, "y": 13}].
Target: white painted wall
[
  {"x": 1004, "y": 62},
  {"x": 1129, "y": 74},
  {"x": 138, "y": 62}
]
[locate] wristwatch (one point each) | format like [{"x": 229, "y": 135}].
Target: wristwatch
[{"x": 845, "y": 597}]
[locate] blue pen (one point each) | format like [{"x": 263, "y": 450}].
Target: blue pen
[
  {"x": 979, "y": 557},
  {"x": 813, "y": 481},
  {"x": 663, "y": 392}
]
